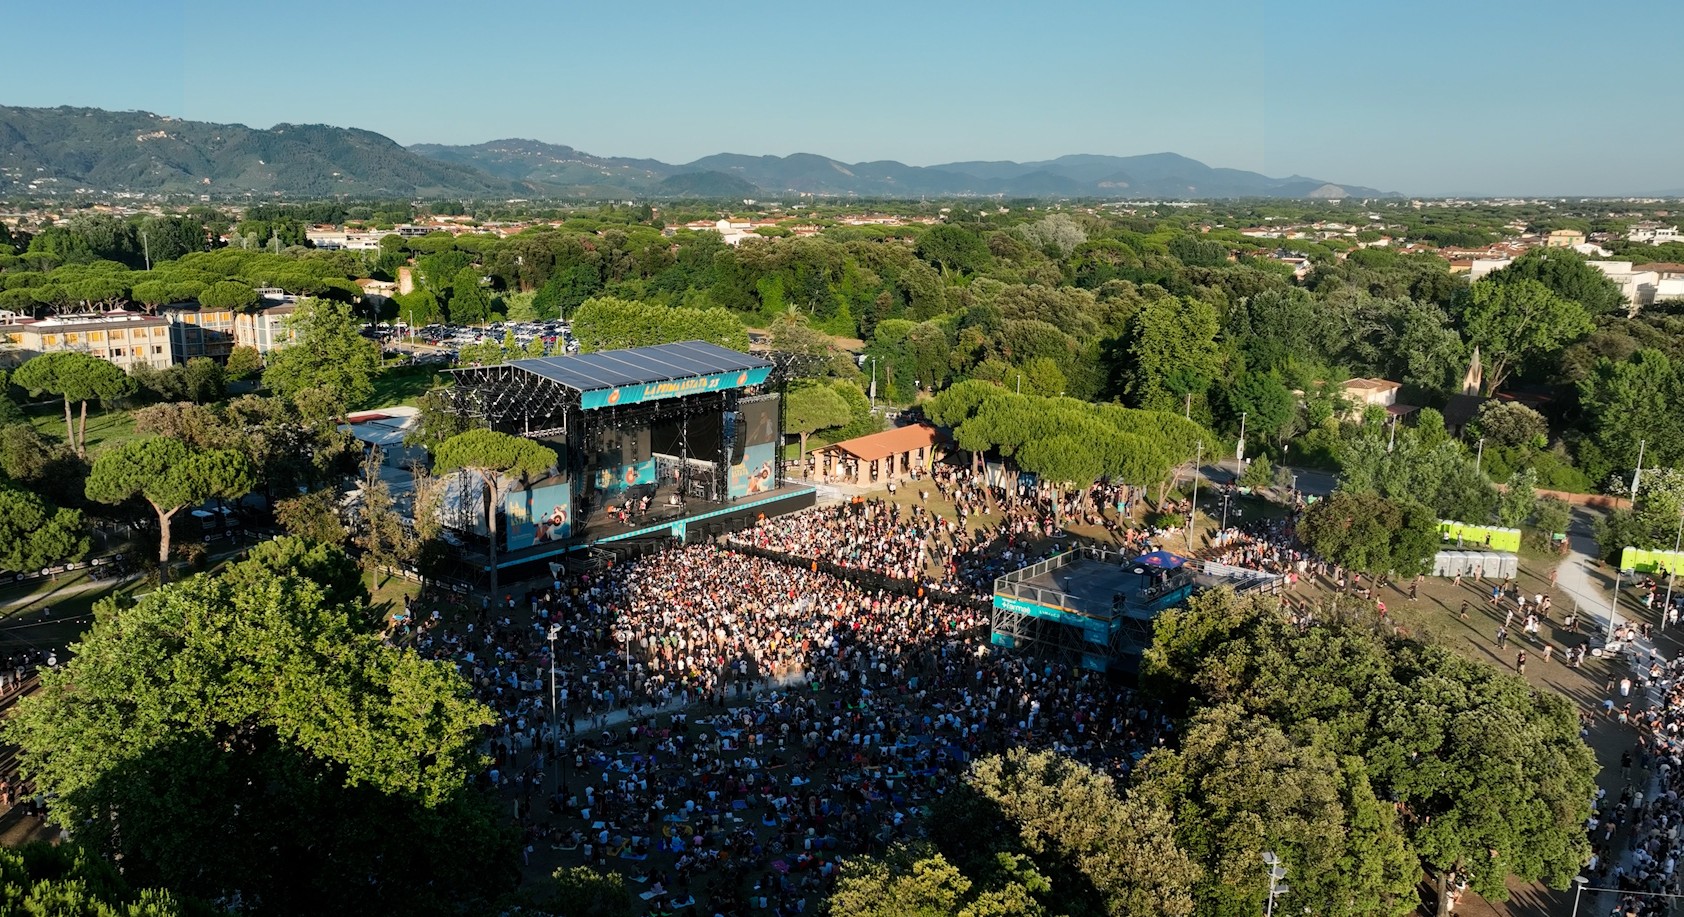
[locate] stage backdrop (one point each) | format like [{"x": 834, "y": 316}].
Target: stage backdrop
[{"x": 539, "y": 514}]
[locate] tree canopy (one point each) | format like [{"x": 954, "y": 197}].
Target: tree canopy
[
  {"x": 1487, "y": 776},
  {"x": 327, "y": 353},
  {"x": 330, "y": 769},
  {"x": 169, "y": 476},
  {"x": 497, "y": 461}
]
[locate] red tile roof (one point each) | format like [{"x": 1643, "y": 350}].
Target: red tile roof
[{"x": 877, "y": 446}]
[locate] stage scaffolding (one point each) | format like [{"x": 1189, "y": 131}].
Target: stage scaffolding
[{"x": 1088, "y": 607}]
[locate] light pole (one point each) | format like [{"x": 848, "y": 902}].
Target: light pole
[
  {"x": 1480, "y": 457},
  {"x": 1584, "y": 885},
  {"x": 1579, "y": 883},
  {"x": 1226, "y": 496},
  {"x": 1613, "y": 604},
  {"x": 1672, "y": 567},
  {"x": 1193, "y": 514},
  {"x": 555, "y": 725},
  {"x": 1637, "y": 476},
  {"x": 1239, "y": 449},
  {"x": 874, "y": 384},
  {"x": 1391, "y": 440},
  {"x": 1277, "y": 872}
]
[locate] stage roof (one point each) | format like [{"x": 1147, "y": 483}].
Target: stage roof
[{"x": 620, "y": 377}]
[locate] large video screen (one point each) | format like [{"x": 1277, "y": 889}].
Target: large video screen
[
  {"x": 760, "y": 416},
  {"x": 539, "y": 514}
]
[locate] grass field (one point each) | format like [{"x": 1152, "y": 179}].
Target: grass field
[
  {"x": 105, "y": 427},
  {"x": 401, "y": 385}
]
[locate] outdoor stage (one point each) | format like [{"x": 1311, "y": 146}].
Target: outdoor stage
[
  {"x": 1091, "y": 607},
  {"x": 678, "y": 440}
]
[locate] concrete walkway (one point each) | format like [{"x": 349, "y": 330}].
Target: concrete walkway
[{"x": 1579, "y": 575}]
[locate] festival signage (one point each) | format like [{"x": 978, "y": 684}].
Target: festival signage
[{"x": 673, "y": 388}]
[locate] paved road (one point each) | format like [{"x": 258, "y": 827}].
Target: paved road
[{"x": 1310, "y": 481}]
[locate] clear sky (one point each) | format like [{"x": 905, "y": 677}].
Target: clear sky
[{"x": 1432, "y": 97}]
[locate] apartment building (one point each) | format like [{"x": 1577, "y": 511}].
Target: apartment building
[
  {"x": 200, "y": 332},
  {"x": 126, "y": 339}
]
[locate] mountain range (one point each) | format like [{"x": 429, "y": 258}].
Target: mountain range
[{"x": 66, "y": 149}]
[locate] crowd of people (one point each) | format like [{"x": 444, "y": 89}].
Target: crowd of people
[
  {"x": 730, "y": 720},
  {"x": 993, "y": 529},
  {"x": 1649, "y": 811},
  {"x": 727, "y": 724}
]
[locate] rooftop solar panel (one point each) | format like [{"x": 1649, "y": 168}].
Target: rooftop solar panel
[{"x": 639, "y": 365}]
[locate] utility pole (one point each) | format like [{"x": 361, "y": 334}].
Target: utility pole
[
  {"x": 146, "y": 247},
  {"x": 555, "y": 725},
  {"x": 874, "y": 384},
  {"x": 1193, "y": 514},
  {"x": 1479, "y": 458},
  {"x": 1613, "y": 604},
  {"x": 1637, "y": 476},
  {"x": 1391, "y": 440},
  {"x": 1239, "y": 449},
  {"x": 1672, "y": 568}
]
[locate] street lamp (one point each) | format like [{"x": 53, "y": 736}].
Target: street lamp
[
  {"x": 555, "y": 725},
  {"x": 1579, "y": 883},
  {"x": 1672, "y": 564},
  {"x": 1277, "y": 872},
  {"x": 1193, "y": 512},
  {"x": 1480, "y": 457},
  {"x": 1239, "y": 449}
]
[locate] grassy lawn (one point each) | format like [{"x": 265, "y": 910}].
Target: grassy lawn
[
  {"x": 51, "y": 615},
  {"x": 104, "y": 427},
  {"x": 401, "y": 385}
]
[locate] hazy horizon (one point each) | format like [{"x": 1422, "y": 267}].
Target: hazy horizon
[{"x": 1438, "y": 100}]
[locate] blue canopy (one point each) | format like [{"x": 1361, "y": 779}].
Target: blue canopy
[{"x": 1163, "y": 560}]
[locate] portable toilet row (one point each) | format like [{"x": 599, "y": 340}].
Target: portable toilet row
[{"x": 1491, "y": 564}]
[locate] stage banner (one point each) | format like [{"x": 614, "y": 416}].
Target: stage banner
[
  {"x": 615, "y": 479},
  {"x": 753, "y": 472},
  {"x": 676, "y": 388},
  {"x": 539, "y": 514}
]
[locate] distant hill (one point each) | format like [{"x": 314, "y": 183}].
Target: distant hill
[
  {"x": 565, "y": 170},
  {"x": 69, "y": 148},
  {"x": 705, "y": 185}
]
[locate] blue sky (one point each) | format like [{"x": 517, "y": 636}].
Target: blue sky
[{"x": 1496, "y": 97}]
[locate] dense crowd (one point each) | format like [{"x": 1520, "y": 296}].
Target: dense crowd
[
  {"x": 993, "y": 530},
  {"x": 1650, "y": 811},
  {"x": 765, "y": 718}
]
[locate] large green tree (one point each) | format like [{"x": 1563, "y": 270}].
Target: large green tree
[
  {"x": 170, "y": 477},
  {"x": 1517, "y": 323},
  {"x": 34, "y": 535},
  {"x": 73, "y": 376},
  {"x": 1632, "y": 405},
  {"x": 497, "y": 461},
  {"x": 1170, "y": 339},
  {"x": 1567, "y": 274},
  {"x": 1239, "y": 786},
  {"x": 1487, "y": 775},
  {"x": 1103, "y": 853},
  {"x": 1364, "y": 531},
  {"x": 62, "y": 880},
  {"x": 608, "y": 323},
  {"x": 245, "y": 737},
  {"x": 811, "y": 408},
  {"x": 327, "y": 353}
]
